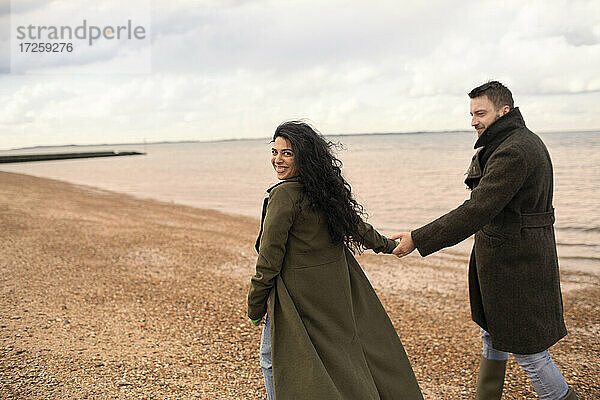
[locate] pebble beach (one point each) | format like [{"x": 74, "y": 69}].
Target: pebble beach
[{"x": 108, "y": 296}]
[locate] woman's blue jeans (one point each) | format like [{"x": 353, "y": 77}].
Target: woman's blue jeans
[
  {"x": 265, "y": 359},
  {"x": 547, "y": 380}
]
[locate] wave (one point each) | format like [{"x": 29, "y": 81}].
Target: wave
[
  {"x": 579, "y": 228},
  {"x": 576, "y": 244},
  {"x": 596, "y": 259}
]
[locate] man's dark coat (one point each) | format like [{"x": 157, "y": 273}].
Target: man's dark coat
[{"x": 514, "y": 283}]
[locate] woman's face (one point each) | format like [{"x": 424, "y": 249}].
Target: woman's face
[{"x": 283, "y": 159}]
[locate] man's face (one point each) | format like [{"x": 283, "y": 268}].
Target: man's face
[{"x": 484, "y": 113}]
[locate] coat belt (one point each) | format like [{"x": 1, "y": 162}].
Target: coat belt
[
  {"x": 537, "y": 220},
  {"x": 314, "y": 257}
]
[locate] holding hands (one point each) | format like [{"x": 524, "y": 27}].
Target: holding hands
[{"x": 405, "y": 244}]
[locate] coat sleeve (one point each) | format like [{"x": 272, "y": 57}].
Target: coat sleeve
[
  {"x": 505, "y": 172},
  {"x": 278, "y": 220},
  {"x": 374, "y": 240}
]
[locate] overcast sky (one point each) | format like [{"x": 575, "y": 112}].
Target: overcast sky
[{"x": 236, "y": 69}]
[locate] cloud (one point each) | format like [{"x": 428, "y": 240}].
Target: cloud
[
  {"x": 238, "y": 68},
  {"x": 577, "y": 21},
  {"x": 4, "y": 7},
  {"x": 22, "y": 6},
  {"x": 533, "y": 52},
  {"x": 30, "y": 102},
  {"x": 276, "y": 36},
  {"x": 450, "y": 49}
]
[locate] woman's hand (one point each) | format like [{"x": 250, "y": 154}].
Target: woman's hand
[{"x": 405, "y": 246}]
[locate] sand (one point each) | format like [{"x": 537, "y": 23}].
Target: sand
[{"x": 108, "y": 296}]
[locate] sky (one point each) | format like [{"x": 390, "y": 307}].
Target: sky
[{"x": 228, "y": 69}]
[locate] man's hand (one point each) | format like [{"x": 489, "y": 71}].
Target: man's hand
[{"x": 406, "y": 245}]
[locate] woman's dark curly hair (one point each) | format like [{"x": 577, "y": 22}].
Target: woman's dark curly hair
[{"x": 327, "y": 191}]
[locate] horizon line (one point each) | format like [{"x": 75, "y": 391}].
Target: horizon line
[{"x": 261, "y": 138}]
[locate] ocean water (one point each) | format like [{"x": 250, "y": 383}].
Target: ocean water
[{"x": 403, "y": 180}]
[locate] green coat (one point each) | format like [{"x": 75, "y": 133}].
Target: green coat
[
  {"x": 330, "y": 336},
  {"x": 514, "y": 283}
]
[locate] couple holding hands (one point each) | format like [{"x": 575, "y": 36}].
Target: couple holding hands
[{"x": 326, "y": 335}]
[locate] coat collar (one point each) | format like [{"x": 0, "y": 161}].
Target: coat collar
[
  {"x": 500, "y": 129},
  {"x": 491, "y": 138},
  {"x": 474, "y": 172},
  {"x": 294, "y": 179},
  {"x": 264, "y": 210}
]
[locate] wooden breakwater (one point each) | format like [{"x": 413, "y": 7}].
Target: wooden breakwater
[{"x": 65, "y": 156}]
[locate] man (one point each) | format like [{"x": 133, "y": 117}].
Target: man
[{"x": 514, "y": 284}]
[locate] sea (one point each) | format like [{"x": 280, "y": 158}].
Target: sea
[{"x": 403, "y": 180}]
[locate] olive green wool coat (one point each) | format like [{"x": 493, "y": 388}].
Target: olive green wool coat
[
  {"x": 330, "y": 336},
  {"x": 514, "y": 284}
]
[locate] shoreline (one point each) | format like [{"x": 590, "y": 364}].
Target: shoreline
[
  {"x": 568, "y": 263},
  {"x": 106, "y": 294}
]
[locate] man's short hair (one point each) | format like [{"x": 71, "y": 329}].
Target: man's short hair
[{"x": 498, "y": 94}]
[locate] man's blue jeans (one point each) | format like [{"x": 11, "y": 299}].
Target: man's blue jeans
[
  {"x": 547, "y": 380},
  {"x": 265, "y": 359}
]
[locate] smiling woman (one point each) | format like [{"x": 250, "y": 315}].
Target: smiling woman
[
  {"x": 326, "y": 335},
  {"x": 282, "y": 158}
]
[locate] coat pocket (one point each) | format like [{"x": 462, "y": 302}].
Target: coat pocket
[{"x": 490, "y": 237}]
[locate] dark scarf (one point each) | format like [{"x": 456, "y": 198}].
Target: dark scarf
[
  {"x": 495, "y": 134},
  {"x": 489, "y": 141}
]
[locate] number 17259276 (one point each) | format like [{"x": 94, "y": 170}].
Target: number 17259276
[{"x": 26, "y": 47}]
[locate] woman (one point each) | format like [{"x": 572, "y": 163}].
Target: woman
[{"x": 326, "y": 331}]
